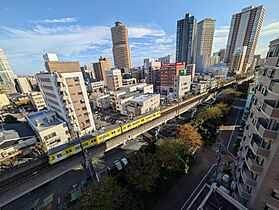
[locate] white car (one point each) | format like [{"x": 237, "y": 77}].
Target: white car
[
  {"x": 118, "y": 165},
  {"x": 124, "y": 161}
]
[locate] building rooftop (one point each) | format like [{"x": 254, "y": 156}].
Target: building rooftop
[
  {"x": 43, "y": 120},
  {"x": 213, "y": 198},
  {"x": 11, "y": 133},
  {"x": 145, "y": 97}
]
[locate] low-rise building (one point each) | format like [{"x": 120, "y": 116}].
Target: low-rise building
[
  {"x": 22, "y": 85},
  {"x": 122, "y": 101},
  {"x": 96, "y": 86},
  {"x": 18, "y": 99},
  {"x": 4, "y": 101},
  {"x": 142, "y": 87},
  {"x": 101, "y": 100},
  {"x": 182, "y": 85},
  {"x": 198, "y": 88},
  {"x": 129, "y": 81},
  {"x": 7, "y": 88},
  {"x": 114, "y": 79},
  {"x": 37, "y": 100},
  {"x": 143, "y": 104},
  {"x": 49, "y": 128}
]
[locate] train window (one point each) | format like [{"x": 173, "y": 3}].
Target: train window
[
  {"x": 95, "y": 140},
  {"x": 70, "y": 150},
  {"x": 85, "y": 143},
  {"x": 59, "y": 155},
  {"x": 67, "y": 151},
  {"x": 142, "y": 120}
]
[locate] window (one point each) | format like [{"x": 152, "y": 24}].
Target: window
[
  {"x": 59, "y": 155},
  {"x": 47, "y": 137}
]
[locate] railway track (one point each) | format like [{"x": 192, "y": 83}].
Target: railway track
[{"x": 26, "y": 175}]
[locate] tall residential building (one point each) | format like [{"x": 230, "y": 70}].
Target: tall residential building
[
  {"x": 101, "y": 67},
  {"x": 120, "y": 46},
  {"x": 65, "y": 93},
  {"x": 166, "y": 59},
  {"x": 6, "y": 72},
  {"x": 257, "y": 159},
  {"x": 186, "y": 39},
  {"x": 23, "y": 85},
  {"x": 244, "y": 31},
  {"x": 114, "y": 79},
  {"x": 205, "y": 35}
]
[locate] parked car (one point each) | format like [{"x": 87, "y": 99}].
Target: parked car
[
  {"x": 124, "y": 161},
  {"x": 118, "y": 165}
]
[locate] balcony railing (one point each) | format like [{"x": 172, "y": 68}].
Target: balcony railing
[
  {"x": 247, "y": 178},
  {"x": 243, "y": 191},
  {"x": 264, "y": 132},
  {"x": 274, "y": 86},
  {"x": 253, "y": 166},
  {"x": 271, "y": 109},
  {"x": 260, "y": 147}
]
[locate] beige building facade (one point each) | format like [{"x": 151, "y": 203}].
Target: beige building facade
[
  {"x": 101, "y": 67},
  {"x": 37, "y": 100},
  {"x": 114, "y": 79},
  {"x": 65, "y": 93},
  {"x": 257, "y": 161},
  {"x": 120, "y": 46}
]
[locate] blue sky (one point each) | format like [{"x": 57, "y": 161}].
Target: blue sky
[{"x": 80, "y": 30}]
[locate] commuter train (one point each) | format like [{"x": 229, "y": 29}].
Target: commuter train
[{"x": 69, "y": 149}]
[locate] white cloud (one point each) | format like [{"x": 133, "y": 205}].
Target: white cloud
[
  {"x": 61, "y": 20},
  {"x": 75, "y": 42},
  {"x": 270, "y": 29},
  {"x": 220, "y": 38}
]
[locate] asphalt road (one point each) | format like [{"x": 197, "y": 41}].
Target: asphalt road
[{"x": 64, "y": 184}]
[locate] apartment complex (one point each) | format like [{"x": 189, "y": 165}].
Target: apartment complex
[
  {"x": 22, "y": 85},
  {"x": 114, "y": 79},
  {"x": 244, "y": 31},
  {"x": 65, "y": 93},
  {"x": 186, "y": 39},
  {"x": 6, "y": 72},
  {"x": 167, "y": 74},
  {"x": 120, "y": 49},
  {"x": 153, "y": 73},
  {"x": 101, "y": 67},
  {"x": 257, "y": 162},
  {"x": 205, "y": 35}
]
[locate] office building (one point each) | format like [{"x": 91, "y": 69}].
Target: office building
[
  {"x": 205, "y": 35},
  {"x": 257, "y": 158},
  {"x": 167, "y": 74},
  {"x": 221, "y": 54},
  {"x": 65, "y": 93},
  {"x": 238, "y": 60},
  {"x": 182, "y": 85},
  {"x": 87, "y": 73},
  {"x": 22, "y": 85},
  {"x": 49, "y": 128},
  {"x": 101, "y": 67},
  {"x": 244, "y": 31},
  {"x": 120, "y": 46},
  {"x": 146, "y": 62},
  {"x": 7, "y": 74},
  {"x": 191, "y": 70},
  {"x": 114, "y": 79},
  {"x": 37, "y": 100},
  {"x": 166, "y": 59},
  {"x": 153, "y": 74},
  {"x": 186, "y": 39}
]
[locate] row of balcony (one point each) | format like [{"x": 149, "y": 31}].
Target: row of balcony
[
  {"x": 270, "y": 108},
  {"x": 243, "y": 191},
  {"x": 264, "y": 131},
  {"x": 253, "y": 165},
  {"x": 247, "y": 178},
  {"x": 259, "y": 146}
]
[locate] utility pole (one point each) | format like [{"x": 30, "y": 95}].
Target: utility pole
[{"x": 87, "y": 164}]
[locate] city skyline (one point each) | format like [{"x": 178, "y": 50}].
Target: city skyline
[{"x": 73, "y": 35}]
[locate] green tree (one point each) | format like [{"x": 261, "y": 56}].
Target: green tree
[
  {"x": 172, "y": 155},
  {"x": 142, "y": 171},
  {"x": 9, "y": 119},
  {"x": 108, "y": 194}
]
